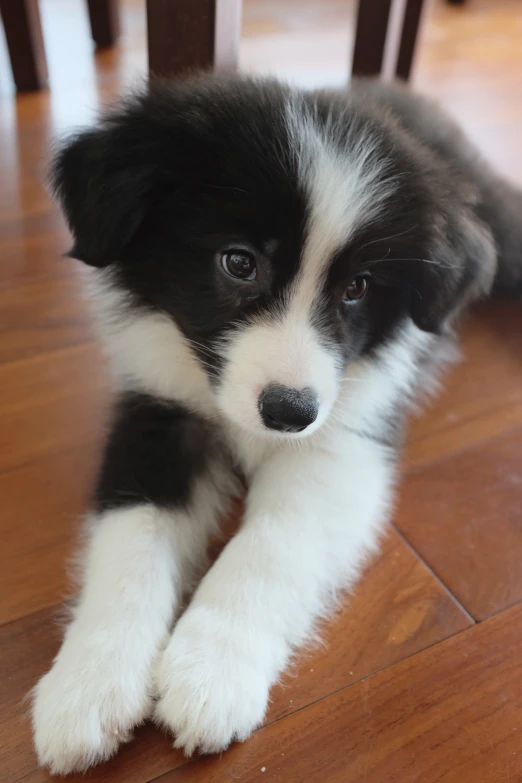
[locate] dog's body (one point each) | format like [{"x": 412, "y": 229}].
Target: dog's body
[{"x": 275, "y": 274}]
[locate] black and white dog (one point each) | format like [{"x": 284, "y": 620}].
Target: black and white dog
[{"x": 276, "y": 274}]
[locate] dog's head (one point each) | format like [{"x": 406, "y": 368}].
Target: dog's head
[{"x": 285, "y": 233}]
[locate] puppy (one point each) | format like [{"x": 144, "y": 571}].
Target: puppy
[{"x": 276, "y": 274}]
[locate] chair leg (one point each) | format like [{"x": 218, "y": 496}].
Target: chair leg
[
  {"x": 370, "y": 37},
  {"x": 104, "y": 16},
  {"x": 386, "y": 36},
  {"x": 186, "y": 35},
  {"x": 23, "y": 32},
  {"x": 409, "y": 38}
]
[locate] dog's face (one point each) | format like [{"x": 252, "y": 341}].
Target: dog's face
[{"x": 285, "y": 234}]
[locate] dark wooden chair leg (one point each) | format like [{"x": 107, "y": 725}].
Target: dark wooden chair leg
[
  {"x": 104, "y": 16},
  {"x": 23, "y": 32},
  {"x": 385, "y": 37},
  {"x": 188, "y": 35},
  {"x": 409, "y": 38},
  {"x": 370, "y": 37}
]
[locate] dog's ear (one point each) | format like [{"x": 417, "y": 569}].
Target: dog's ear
[
  {"x": 461, "y": 268},
  {"x": 104, "y": 187}
]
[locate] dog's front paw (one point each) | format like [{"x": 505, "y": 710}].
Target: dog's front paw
[
  {"x": 212, "y": 690},
  {"x": 84, "y": 707}
]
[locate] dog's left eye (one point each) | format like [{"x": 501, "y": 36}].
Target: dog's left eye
[
  {"x": 239, "y": 264},
  {"x": 356, "y": 289}
]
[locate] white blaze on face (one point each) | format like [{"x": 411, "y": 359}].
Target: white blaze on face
[
  {"x": 279, "y": 350},
  {"x": 343, "y": 190}
]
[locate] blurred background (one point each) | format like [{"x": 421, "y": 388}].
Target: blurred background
[{"x": 469, "y": 56}]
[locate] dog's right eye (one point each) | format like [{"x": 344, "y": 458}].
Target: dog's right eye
[{"x": 239, "y": 264}]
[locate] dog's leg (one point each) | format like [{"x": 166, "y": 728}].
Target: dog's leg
[
  {"x": 138, "y": 561},
  {"x": 311, "y": 519}
]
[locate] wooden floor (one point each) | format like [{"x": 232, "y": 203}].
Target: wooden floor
[{"x": 421, "y": 675}]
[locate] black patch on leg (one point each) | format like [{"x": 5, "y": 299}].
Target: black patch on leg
[{"x": 155, "y": 451}]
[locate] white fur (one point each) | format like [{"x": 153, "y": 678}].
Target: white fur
[
  {"x": 373, "y": 386},
  {"x": 312, "y": 518},
  {"x": 284, "y": 350},
  {"x": 138, "y": 563},
  {"x": 346, "y": 189},
  {"x": 146, "y": 350},
  {"x": 313, "y": 515}
]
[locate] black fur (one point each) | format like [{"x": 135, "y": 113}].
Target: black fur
[
  {"x": 182, "y": 171},
  {"x": 154, "y": 453}
]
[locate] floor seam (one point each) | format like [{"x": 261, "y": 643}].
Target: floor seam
[
  {"x": 434, "y": 574},
  {"x": 328, "y": 695}
]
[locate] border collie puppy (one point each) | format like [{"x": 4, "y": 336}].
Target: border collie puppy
[{"x": 275, "y": 274}]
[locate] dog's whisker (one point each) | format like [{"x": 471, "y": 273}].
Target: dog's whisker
[
  {"x": 428, "y": 261},
  {"x": 392, "y": 236},
  {"x": 205, "y": 348}
]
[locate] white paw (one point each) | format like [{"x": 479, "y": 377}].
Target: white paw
[
  {"x": 85, "y": 706},
  {"x": 212, "y": 690}
]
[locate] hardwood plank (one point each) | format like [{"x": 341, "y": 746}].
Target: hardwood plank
[
  {"x": 39, "y": 514},
  {"x": 399, "y": 609},
  {"x": 486, "y": 383},
  {"x": 464, "y": 515},
  {"x": 463, "y": 435},
  {"x": 452, "y": 713},
  {"x": 51, "y": 402},
  {"x": 42, "y": 316}
]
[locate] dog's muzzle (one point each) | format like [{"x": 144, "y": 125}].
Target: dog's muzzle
[{"x": 287, "y": 410}]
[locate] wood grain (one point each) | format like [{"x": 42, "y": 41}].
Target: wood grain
[
  {"x": 51, "y": 402},
  {"x": 464, "y": 516},
  {"x": 398, "y": 609},
  {"x": 42, "y": 317},
  {"x": 452, "y": 713},
  {"x": 41, "y": 507},
  {"x": 463, "y": 434},
  {"x": 481, "y": 396}
]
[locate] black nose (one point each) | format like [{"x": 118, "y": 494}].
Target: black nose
[{"x": 287, "y": 410}]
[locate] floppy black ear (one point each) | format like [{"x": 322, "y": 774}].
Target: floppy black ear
[
  {"x": 104, "y": 187},
  {"x": 461, "y": 268}
]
